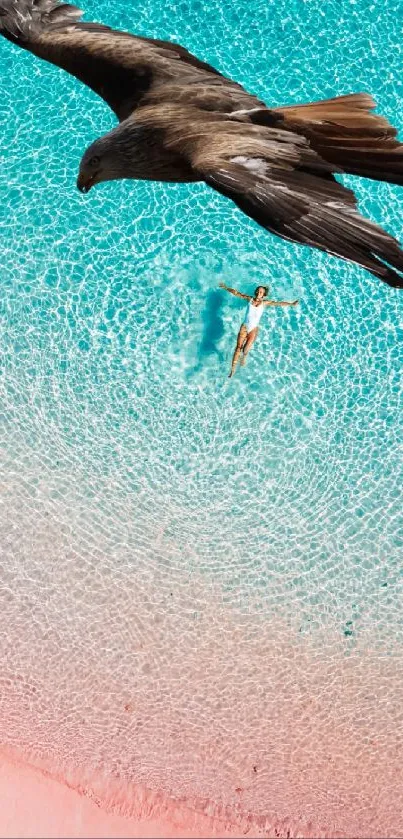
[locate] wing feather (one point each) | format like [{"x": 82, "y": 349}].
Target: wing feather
[{"x": 123, "y": 69}]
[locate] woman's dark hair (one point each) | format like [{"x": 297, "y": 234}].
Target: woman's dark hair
[{"x": 264, "y": 287}]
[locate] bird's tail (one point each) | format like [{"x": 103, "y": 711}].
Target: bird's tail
[
  {"x": 20, "y": 19},
  {"x": 346, "y": 133}
]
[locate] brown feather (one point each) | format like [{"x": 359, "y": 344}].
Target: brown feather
[
  {"x": 120, "y": 67},
  {"x": 347, "y": 133}
]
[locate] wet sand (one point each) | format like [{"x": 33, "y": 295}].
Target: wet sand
[{"x": 35, "y": 804}]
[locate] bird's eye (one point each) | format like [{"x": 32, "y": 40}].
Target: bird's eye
[{"x": 95, "y": 161}]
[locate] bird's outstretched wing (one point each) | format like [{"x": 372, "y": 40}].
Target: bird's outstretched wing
[
  {"x": 121, "y": 68},
  {"x": 303, "y": 208},
  {"x": 276, "y": 178}
]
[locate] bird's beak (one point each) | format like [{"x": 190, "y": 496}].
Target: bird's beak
[{"x": 85, "y": 182}]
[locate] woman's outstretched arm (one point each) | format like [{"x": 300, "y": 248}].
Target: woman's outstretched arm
[
  {"x": 234, "y": 291},
  {"x": 280, "y": 302}
]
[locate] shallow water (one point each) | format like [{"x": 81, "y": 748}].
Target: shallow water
[{"x": 142, "y": 487}]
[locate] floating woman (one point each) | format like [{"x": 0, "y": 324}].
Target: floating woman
[{"x": 250, "y": 326}]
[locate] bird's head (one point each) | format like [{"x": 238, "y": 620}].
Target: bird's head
[
  {"x": 101, "y": 162},
  {"x": 130, "y": 151},
  {"x": 90, "y": 172}
]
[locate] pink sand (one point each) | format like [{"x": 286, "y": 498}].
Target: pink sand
[{"x": 34, "y": 804}]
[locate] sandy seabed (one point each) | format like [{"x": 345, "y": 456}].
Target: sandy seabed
[{"x": 154, "y": 703}]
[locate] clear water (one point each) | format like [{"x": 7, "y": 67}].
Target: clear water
[{"x": 132, "y": 464}]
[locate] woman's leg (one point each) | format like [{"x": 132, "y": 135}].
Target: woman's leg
[
  {"x": 241, "y": 340},
  {"x": 251, "y": 338}
]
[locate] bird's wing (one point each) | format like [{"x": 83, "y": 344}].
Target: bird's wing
[
  {"x": 302, "y": 207},
  {"x": 277, "y": 179},
  {"x": 121, "y": 68}
]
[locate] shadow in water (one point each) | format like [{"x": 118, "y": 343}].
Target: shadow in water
[
  {"x": 213, "y": 331},
  {"x": 213, "y": 325}
]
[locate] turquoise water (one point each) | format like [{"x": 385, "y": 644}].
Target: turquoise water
[
  {"x": 121, "y": 429},
  {"x": 117, "y": 341}
]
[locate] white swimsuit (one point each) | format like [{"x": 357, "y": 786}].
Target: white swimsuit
[{"x": 252, "y": 316}]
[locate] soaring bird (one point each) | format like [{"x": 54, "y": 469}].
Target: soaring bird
[{"x": 180, "y": 120}]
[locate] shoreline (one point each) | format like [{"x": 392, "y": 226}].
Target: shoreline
[{"x": 36, "y": 803}]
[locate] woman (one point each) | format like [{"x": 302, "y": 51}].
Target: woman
[{"x": 250, "y": 326}]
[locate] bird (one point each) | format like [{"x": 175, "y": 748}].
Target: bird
[{"x": 181, "y": 121}]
